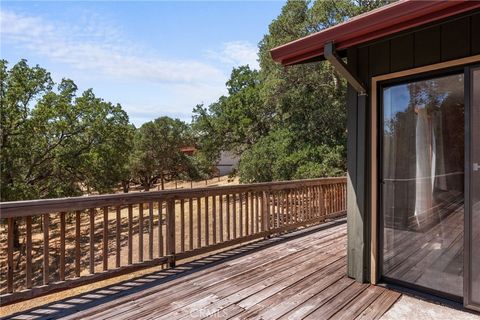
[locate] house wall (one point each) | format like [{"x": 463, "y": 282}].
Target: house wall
[
  {"x": 454, "y": 38},
  {"x": 227, "y": 163}
]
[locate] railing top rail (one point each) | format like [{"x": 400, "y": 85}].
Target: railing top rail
[{"x": 35, "y": 207}]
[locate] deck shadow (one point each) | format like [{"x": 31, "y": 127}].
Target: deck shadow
[{"x": 82, "y": 302}]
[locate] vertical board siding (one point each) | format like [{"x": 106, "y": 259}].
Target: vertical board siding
[
  {"x": 474, "y": 37},
  {"x": 427, "y": 46},
  {"x": 379, "y": 58},
  {"x": 455, "y": 38}
]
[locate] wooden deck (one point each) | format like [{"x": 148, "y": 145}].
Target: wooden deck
[{"x": 295, "y": 276}]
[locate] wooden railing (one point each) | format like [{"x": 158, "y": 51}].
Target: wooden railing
[{"x": 73, "y": 241}]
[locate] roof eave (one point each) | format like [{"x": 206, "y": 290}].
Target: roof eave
[{"x": 370, "y": 26}]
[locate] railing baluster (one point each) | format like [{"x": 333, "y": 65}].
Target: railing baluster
[
  {"x": 105, "y": 239},
  {"x": 130, "y": 234},
  {"x": 190, "y": 224},
  {"x": 62, "y": 247},
  {"x": 311, "y": 201},
  {"x": 265, "y": 212},
  {"x": 304, "y": 207},
  {"x": 221, "y": 217},
  {"x": 92, "y": 240},
  {"x": 28, "y": 267},
  {"x": 150, "y": 230},
  {"x": 171, "y": 231},
  {"x": 279, "y": 209},
  {"x": 246, "y": 214},
  {"x": 282, "y": 205},
  {"x": 10, "y": 231},
  {"x": 77, "y": 243},
  {"x": 228, "y": 217},
  {"x": 287, "y": 207},
  {"x": 306, "y": 204},
  {"x": 46, "y": 244},
  {"x": 207, "y": 240},
  {"x": 199, "y": 222},
  {"x": 118, "y": 232},
  {"x": 252, "y": 211},
  {"x": 160, "y": 229},
  {"x": 298, "y": 205},
  {"x": 234, "y": 222},
  {"x": 182, "y": 226},
  {"x": 337, "y": 203},
  {"x": 240, "y": 199},
  {"x": 140, "y": 232},
  {"x": 337, "y": 196},
  {"x": 214, "y": 219},
  {"x": 257, "y": 211}
]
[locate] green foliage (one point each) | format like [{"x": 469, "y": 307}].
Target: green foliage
[
  {"x": 286, "y": 123},
  {"x": 157, "y": 152},
  {"x": 278, "y": 157},
  {"x": 234, "y": 122},
  {"x": 54, "y": 143}
]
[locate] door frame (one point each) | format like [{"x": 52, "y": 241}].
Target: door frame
[{"x": 375, "y": 154}]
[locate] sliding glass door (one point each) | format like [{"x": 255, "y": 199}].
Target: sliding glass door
[
  {"x": 472, "y": 261},
  {"x": 422, "y": 183}
]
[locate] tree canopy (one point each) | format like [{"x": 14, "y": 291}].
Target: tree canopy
[
  {"x": 54, "y": 142},
  {"x": 284, "y": 123},
  {"x": 157, "y": 151}
]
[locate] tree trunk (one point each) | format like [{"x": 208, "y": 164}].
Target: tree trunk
[
  {"x": 162, "y": 178},
  {"x": 146, "y": 184},
  {"x": 126, "y": 186}
]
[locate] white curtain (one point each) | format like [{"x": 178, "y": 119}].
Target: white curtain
[{"x": 425, "y": 150}]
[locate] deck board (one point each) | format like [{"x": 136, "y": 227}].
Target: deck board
[{"x": 293, "y": 276}]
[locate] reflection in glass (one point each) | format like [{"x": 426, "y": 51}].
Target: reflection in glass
[{"x": 423, "y": 183}]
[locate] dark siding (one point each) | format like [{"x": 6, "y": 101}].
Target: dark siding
[
  {"x": 454, "y": 39},
  {"x": 362, "y": 65},
  {"x": 474, "y": 34},
  {"x": 401, "y": 53},
  {"x": 427, "y": 46},
  {"x": 379, "y": 58}
]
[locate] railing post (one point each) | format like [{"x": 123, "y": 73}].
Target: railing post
[
  {"x": 265, "y": 213},
  {"x": 171, "y": 232}
]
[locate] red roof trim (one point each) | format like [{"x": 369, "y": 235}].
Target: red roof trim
[{"x": 387, "y": 20}]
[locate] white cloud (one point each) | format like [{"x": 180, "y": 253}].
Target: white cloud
[
  {"x": 145, "y": 83},
  {"x": 236, "y": 53},
  {"x": 98, "y": 47}
]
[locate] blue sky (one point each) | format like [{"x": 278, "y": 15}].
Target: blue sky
[{"x": 154, "y": 58}]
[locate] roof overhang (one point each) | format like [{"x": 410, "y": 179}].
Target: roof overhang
[{"x": 378, "y": 23}]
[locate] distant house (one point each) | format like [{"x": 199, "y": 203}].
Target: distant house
[
  {"x": 227, "y": 163},
  {"x": 189, "y": 151}
]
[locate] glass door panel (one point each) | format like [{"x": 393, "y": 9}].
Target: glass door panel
[{"x": 422, "y": 186}]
